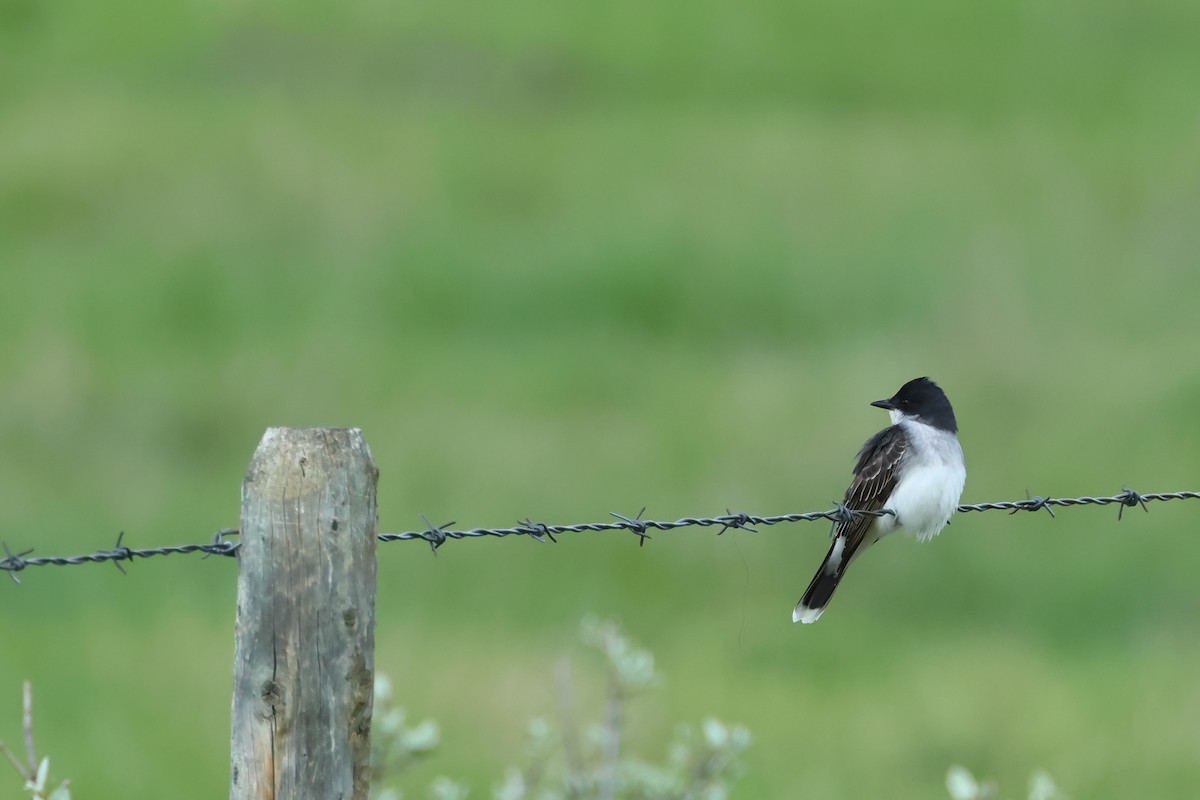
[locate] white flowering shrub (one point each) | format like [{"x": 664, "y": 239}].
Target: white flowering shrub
[
  {"x": 36, "y": 778},
  {"x": 961, "y": 785},
  {"x": 586, "y": 756}
]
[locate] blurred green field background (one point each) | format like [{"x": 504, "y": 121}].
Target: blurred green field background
[{"x": 561, "y": 260}]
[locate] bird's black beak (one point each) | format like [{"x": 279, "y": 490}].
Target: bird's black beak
[{"x": 888, "y": 404}]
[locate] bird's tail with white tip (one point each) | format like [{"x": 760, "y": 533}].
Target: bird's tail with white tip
[{"x": 817, "y": 596}]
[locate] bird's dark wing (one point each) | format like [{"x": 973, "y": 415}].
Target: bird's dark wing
[{"x": 874, "y": 480}]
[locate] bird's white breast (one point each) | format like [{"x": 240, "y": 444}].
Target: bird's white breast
[{"x": 932, "y": 483}]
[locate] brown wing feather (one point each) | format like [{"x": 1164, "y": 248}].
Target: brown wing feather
[{"x": 874, "y": 480}]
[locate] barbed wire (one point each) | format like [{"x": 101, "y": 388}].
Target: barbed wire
[
  {"x": 217, "y": 546},
  {"x": 438, "y": 535}
]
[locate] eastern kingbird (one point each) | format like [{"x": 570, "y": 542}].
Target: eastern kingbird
[{"x": 913, "y": 468}]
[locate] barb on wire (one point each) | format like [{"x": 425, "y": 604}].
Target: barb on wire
[
  {"x": 1129, "y": 499},
  {"x": 118, "y": 554},
  {"x": 636, "y": 525},
  {"x": 14, "y": 562},
  {"x": 437, "y": 535},
  {"x": 1037, "y": 503},
  {"x": 739, "y": 520},
  {"x": 434, "y": 534},
  {"x": 538, "y": 530}
]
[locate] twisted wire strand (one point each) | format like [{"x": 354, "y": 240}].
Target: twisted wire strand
[{"x": 437, "y": 535}]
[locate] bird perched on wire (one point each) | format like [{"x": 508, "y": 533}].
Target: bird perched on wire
[{"x": 913, "y": 469}]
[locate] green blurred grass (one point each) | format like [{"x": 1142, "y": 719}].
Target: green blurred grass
[{"x": 561, "y": 262}]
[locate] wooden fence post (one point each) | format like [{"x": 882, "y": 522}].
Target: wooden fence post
[{"x": 304, "y": 650}]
